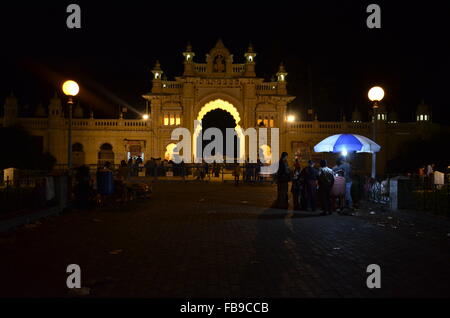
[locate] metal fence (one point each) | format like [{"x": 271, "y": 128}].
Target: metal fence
[
  {"x": 414, "y": 192},
  {"x": 30, "y": 190}
]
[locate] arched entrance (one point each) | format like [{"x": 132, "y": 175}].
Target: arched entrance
[
  {"x": 77, "y": 154},
  {"x": 224, "y": 106},
  {"x": 105, "y": 154}
]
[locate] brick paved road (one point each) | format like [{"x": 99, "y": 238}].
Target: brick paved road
[{"x": 216, "y": 240}]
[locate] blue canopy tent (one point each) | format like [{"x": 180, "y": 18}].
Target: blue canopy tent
[{"x": 344, "y": 143}]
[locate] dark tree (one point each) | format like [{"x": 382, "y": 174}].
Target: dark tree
[{"x": 22, "y": 150}]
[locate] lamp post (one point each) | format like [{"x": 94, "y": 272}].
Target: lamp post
[
  {"x": 70, "y": 89},
  {"x": 376, "y": 94}
]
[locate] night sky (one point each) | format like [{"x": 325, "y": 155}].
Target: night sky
[{"x": 113, "y": 53}]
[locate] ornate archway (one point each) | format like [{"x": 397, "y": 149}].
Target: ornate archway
[{"x": 223, "y": 105}]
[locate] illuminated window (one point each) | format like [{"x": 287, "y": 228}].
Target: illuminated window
[
  {"x": 266, "y": 122},
  {"x": 166, "y": 120},
  {"x": 177, "y": 120},
  {"x": 271, "y": 122},
  {"x": 426, "y": 117},
  {"x": 259, "y": 121},
  {"x": 172, "y": 120},
  {"x": 421, "y": 117}
]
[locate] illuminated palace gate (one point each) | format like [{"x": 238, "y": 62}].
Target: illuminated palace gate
[{"x": 217, "y": 84}]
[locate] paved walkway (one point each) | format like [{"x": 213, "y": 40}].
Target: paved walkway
[{"x": 217, "y": 240}]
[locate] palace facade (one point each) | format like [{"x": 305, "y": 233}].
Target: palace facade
[{"x": 219, "y": 83}]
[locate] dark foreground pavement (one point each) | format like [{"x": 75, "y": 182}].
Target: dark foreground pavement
[{"x": 218, "y": 240}]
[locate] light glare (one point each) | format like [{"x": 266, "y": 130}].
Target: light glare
[
  {"x": 70, "y": 88},
  {"x": 376, "y": 93}
]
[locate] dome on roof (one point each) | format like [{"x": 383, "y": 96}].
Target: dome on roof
[{"x": 78, "y": 111}]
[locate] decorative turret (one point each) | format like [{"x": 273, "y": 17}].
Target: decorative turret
[
  {"x": 157, "y": 72},
  {"x": 157, "y": 77},
  {"x": 188, "y": 61},
  {"x": 250, "y": 61},
  {"x": 78, "y": 111},
  {"x": 423, "y": 113},
  {"x": 281, "y": 75},
  {"x": 55, "y": 111},
  {"x": 11, "y": 110},
  {"x": 381, "y": 112}
]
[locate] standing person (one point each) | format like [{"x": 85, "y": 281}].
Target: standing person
[
  {"x": 258, "y": 177},
  {"x": 342, "y": 164},
  {"x": 216, "y": 169},
  {"x": 136, "y": 167},
  {"x": 130, "y": 167},
  {"x": 430, "y": 175},
  {"x": 283, "y": 177},
  {"x": 338, "y": 191},
  {"x": 182, "y": 167},
  {"x": 236, "y": 174},
  {"x": 82, "y": 188},
  {"x": 297, "y": 164},
  {"x": 296, "y": 188},
  {"x": 311, "y": 175},
  {"x": 122, "y": 176},
  {"x": 326, "y": 181}
]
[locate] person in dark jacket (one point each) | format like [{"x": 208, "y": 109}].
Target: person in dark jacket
[
  {"x": 283, "y": 178},
  {"x": 296, "y": 188},
  {"x": 326, "y": 181},
  {"x": 311, "y": 175}
]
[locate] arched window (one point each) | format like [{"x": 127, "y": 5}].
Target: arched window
[
  {"x": 259, "y": 122},
  {"x": 77, "y": 154},
  {"x": 77, "y": 147},
  {"x": 105, "y": 154}
]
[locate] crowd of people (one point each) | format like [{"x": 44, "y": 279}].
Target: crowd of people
[{"x": 310, "y": 185}]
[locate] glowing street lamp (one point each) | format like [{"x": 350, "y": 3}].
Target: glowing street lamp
[
  {"x": 145, "y": 117},
  {"x": 290, "y": 118},
  {"x": 376, "y": 94},
  {"x": 70, "y": 89}
]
